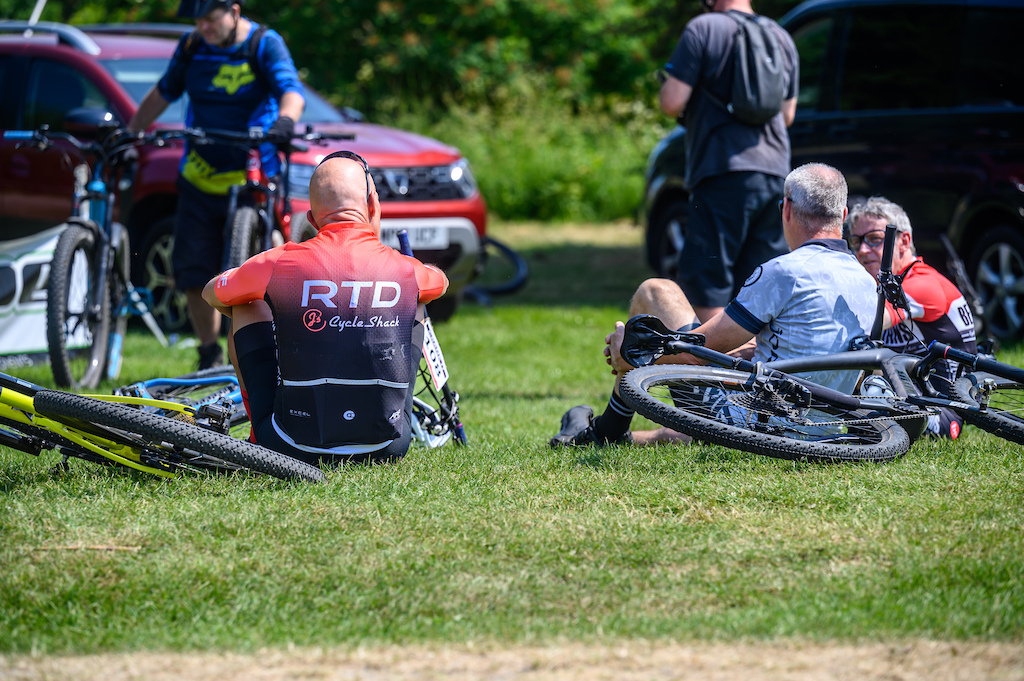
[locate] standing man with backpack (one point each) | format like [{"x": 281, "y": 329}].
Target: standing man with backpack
[
  {"x": 731, "y": 82},
  {"x": 238, "y": 75}
]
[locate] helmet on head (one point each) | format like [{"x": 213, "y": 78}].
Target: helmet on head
[{"x": 194, "y": 9}]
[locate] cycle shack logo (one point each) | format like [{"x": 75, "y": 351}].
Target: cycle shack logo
[{"x": 381, "y": 294}]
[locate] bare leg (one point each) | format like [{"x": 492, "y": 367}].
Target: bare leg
[
  {"x": 664, "y": 299},
  {"x": 706, "y": 313},
  {"x": 205, "y": 320}
]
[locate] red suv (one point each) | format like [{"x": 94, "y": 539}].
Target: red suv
[{"x": 425, "y": 186}]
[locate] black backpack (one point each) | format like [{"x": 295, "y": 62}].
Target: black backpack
[
  {"x": 759, "y": 81},
  {"x": 252, "y": 47}
]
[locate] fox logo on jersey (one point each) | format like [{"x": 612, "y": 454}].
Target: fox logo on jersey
[{"x": 232, "y": 77}]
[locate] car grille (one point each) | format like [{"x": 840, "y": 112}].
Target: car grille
[{"x": 415, "y": 184}]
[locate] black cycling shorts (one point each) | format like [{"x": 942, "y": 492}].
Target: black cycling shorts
[{"x": 256, "y": 352}]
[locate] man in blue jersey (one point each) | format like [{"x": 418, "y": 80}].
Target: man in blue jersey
[
  {"x": 238, "y": 75},
  {"x": 810, "y": 301}
]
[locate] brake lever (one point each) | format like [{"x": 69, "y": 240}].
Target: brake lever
[{"x": 646, "y": 339}]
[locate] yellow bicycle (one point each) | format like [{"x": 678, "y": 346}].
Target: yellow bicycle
[{"x": 153, "y": 436}]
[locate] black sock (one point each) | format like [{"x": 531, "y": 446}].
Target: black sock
[{"x": 614, "y": 422}]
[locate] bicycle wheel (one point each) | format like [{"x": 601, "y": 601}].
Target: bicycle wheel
[
  {"x": 216, "y": 388},
  {"x": 120, "y": 275},
  {"x": 172, "y": 442},
  {"x": 1004, "y": 415},
  {"x": 245, "y": 235},
  {"x": 77, "y": 317},
  {"x": 775, "y": 417}
]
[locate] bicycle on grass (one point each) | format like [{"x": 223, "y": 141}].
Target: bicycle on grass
[
  {"x": 89, "y": 294},
  {"x": 765, "y": 408},
  {"x": 125, "y": 431},
  {"x": 437, "y": 420}
]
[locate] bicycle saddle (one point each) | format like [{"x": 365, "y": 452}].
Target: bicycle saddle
[{"x": 647, "y": 338}]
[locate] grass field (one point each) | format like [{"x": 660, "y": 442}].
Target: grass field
[{"x": 508, "y": 543}]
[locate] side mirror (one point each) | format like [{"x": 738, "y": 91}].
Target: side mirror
[{"x": 87, "y": 121}]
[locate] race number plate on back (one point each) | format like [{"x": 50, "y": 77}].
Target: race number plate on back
[{"x": 432, "y": 353}]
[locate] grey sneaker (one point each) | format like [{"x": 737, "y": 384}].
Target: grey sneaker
[{"x": 578, "y": 430}]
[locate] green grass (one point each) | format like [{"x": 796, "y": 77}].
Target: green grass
[{"x": 507, "y": 541}]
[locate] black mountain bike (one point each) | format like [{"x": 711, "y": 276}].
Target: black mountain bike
[
  {"x": 769, "y": 409},
  {"x": 259, "y": 210},
  {"x": 89, "y": 294}
]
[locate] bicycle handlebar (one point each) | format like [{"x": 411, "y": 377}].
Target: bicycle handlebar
[{"x": 254, "y": 137}]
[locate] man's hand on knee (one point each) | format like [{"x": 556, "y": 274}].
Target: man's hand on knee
[{"x": 613, "y": 350}]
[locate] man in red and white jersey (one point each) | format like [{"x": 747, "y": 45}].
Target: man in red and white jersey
[
  {"x": 938, "y": 310},
  {"x": 327, "y": 333}
]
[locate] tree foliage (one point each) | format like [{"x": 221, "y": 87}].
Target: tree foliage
[{"x": 382, "y": 55}]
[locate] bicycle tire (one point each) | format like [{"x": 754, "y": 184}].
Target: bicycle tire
[
  {"x": 1004, "y": 416},
  {"x": 245, "y": 236},
  {"x": 120, "y": 275},
  {"x": 77, "y": 340},
  {"x": 157, "y": 432},
  {"x": 715, "y": 405}
]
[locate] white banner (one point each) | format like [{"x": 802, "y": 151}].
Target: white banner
[{"x": 24, "y": 270}]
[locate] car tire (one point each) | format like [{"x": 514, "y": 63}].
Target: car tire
[
  {"x": 155, "y": 273},
  {"x": 665, "y": 238},
  {"x": 997, "y": 270}
]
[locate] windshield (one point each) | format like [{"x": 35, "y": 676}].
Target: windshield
[{"x": 137, "y": 76}]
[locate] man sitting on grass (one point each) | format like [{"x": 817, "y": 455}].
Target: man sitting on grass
[
  {"x": 326, "y": 333},
  {"x": 810, "y": 301},
  {"x": 938, "y": 310}
]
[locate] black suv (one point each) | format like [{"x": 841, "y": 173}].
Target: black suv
[{"x": 918, "y": 101}]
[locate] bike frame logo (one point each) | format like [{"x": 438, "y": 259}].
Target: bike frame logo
[{"x": 314, "y": 320}]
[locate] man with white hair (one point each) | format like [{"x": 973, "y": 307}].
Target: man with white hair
[
  {"x": 810, "y": 301},
  {"x": 938, "y": 310}
]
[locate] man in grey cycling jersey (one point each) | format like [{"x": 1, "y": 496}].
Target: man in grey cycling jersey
[{"x": 810, "y": 301}]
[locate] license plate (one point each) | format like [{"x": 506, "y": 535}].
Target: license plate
[{"x": 421, "y": 238}]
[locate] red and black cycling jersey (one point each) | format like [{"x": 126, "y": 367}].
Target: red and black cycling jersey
[
  {"x": 344, "y": 306},
  {"x": 938, "y": 311}
]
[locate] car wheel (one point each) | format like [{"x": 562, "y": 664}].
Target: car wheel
[
  {"x": 665, "y": 237},
  {"x": 997, "y": 268},
  {"x": 154, "y": 272}
]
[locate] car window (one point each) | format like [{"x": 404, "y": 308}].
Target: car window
[
  {"x": 53, "y": 90},
  {"x": 138, "y": 76},
  {"x": 8, "y": 108},
  {"x": 992, "y": 66},
  {"x": 900, "y": 57},
  {"x": 811, "y": 45},
  {"x": 319, "y": 110}
]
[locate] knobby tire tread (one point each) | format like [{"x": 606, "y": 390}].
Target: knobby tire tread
[
  {"x": 244, "y": 235},
  {"x": 1005, "y": 414},
  {"x": 158, "y": 429},
  {"x": 73, "y": 239},
  {"x": 890, "y": 441}
]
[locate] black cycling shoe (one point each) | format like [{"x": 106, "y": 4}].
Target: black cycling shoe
[
  {"x": 210, "y": 356},
  {"x": 578, "y": 431}
]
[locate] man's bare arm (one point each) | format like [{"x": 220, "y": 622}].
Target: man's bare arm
[
  {"x": 674, "y": 96},
  {"x": 152, "y": 105}
]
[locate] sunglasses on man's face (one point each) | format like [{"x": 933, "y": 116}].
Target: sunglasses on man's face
[{"x": 353, "y": 156}]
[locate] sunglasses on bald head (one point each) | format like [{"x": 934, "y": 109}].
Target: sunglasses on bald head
[{"x": 352, "y": 156}]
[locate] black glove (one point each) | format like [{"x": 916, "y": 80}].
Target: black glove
[{"x": 282, "y": 131}]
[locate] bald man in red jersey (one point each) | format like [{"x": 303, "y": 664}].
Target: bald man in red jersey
[{"x": 327, "y": 333}]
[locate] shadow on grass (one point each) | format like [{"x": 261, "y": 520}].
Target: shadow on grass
[{"x": 571, "y": 274}]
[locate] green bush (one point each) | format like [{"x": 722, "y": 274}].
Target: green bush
[{"x": 545, "y": 161}]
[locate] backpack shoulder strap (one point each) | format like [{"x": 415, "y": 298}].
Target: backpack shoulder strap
[{"x": 253, "y": 52}]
